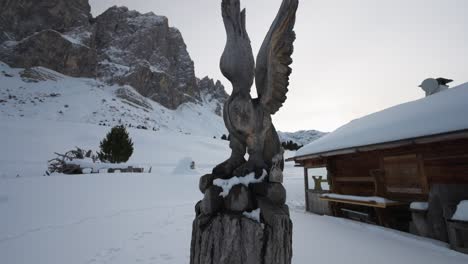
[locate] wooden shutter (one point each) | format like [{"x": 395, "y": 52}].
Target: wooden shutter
[{"x": 404, "y": 174}]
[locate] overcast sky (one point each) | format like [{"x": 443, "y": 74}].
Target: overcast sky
[{"x": 352, "y": 57}]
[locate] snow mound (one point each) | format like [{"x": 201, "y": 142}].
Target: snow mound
[
  {"x": 421, "y": 206},
  {"x": 462, "y": 212},
  {"x": 183, "y": 167}
]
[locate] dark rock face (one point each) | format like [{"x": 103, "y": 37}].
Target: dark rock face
[
  {"x": 213, "y": 93},
  {"x": 159, "y": 66},
  {"x": 21, "y": 18},
  {"x": 155, "y": 85},
  {"x": 119, "y": 46},
  {"x": 130, "y": 97},
  {"x": 52, "y": 50},
  {"x": 55, "y": 34}
]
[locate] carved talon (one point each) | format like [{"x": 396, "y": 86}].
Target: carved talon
[
  {"x": 225, "y": 169},
  {"x": 250, "y": 167}
]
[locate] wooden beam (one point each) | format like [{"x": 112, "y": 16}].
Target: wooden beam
[
  {"x": 354, "y": 179},
  {"x": 306, "y": 187}
]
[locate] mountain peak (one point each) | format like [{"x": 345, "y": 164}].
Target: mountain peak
[{"x": 120, "y": 46}]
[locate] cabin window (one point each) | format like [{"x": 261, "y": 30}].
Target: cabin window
[{"x": 404, "y": 175}]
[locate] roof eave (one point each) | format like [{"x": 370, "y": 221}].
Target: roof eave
[{"x": 460, "y": 134}]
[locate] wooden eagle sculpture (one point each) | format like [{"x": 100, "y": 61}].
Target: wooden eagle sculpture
[{"x": 249, "y": 120}]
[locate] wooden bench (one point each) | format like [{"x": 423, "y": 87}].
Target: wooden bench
[
  {"x": 378, "y": 180},
  {"x": 379, "y": 207},
  {"x": 363, "y": 203}
]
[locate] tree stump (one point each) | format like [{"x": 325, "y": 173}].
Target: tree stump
[{"x": 236, "y": 239}]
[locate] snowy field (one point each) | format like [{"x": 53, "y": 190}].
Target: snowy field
[{"x": 146, "y": 218}]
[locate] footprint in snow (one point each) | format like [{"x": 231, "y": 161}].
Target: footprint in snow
[
  {"x": 105, "y": 256},
  {"x": 166, "y": 256},
  {"x": 139, "y": 236}
]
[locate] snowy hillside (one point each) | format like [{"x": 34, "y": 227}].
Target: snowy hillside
[
  {"x": 302, "y": 137},
  {"x": 40, "y": 93},
  {"x": 147, "y": 218}
]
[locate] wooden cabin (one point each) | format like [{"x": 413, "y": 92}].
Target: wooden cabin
[{"x": 380, "y": 164}]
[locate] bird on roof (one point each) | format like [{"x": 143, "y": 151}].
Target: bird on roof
[{"x": 432, "y": 86}]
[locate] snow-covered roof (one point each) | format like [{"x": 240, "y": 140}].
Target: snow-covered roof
[{"x": 440, "y": 113}]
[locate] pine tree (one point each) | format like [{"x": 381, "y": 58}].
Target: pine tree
[{"x": 117, "y": 147}]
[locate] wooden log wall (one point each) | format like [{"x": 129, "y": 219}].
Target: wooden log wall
[{"x": 419, "y": 165}]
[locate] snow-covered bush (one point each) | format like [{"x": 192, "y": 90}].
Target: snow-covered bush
[
  {"x": 117, "y": 147},
  {"x": 63, "y": 162}
]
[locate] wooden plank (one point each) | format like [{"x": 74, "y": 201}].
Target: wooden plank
[
  {"x": 443, "y": 137},
  {"x": 447, "y": 169},
  {"x": 379, "y": 182},
  {"x": 369, "y": 204},
  {"x": 331, "y": 175},
  {"x": 405, "y": 190},
  {"x": 423, "y": 176},
  {"x": 314, "y": 164},
  {"x": 438, "y": 158},
  {"x": 316, "y": 205},
  {"x": 354, "y": 179}
]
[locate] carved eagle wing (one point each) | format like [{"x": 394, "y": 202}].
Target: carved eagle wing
[{"x": 272, "y": 71}]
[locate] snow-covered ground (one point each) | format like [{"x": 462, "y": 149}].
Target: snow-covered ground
[{"x": 146, "y": 218}]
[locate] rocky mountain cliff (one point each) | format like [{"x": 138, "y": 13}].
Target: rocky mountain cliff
[{"x": 120, "y": 47}]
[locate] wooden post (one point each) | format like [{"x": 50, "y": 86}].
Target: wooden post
[
  {"x": 379, "y": 182},
  {"x": 331, "y": 183},
  {"x": 306, "y": 187}
]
